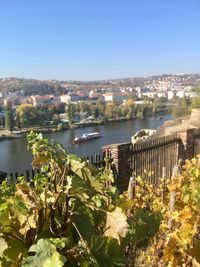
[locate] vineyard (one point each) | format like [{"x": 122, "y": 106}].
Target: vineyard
[{"x": 71, "y": 214}]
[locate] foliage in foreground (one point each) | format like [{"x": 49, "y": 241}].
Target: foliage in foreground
[
  {"x": 71, "y": 215},
  {"x": 178, "y": 240}
]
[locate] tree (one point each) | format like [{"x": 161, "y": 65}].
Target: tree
[
  {"x": 154, "y": 108},
  {"x": 18, "y": 121},
  {"x": 140, "y": 111},
  {"x": 196, "y": 89},
  {"x": 195, "y": 102},
  {"x": 101, "y": 107},
  {"x": 95, "y": 111},
  {"x": 181, "y": 108},
  {"x": 130, "y": 102},
  {"x": 9, "y": 118},
  {"x": 70, "y": 110},
  {"x": 28, "y": 115}
]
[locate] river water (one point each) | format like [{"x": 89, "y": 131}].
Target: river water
[{"x": 14, "y": 155}]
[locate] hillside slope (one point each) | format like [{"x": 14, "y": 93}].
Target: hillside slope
[{"x": 30, "y": 87}]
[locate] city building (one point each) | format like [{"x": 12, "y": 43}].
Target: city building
[{"x": 44, "y": 100}]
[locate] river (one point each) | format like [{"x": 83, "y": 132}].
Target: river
[{"x": 14, "y": 155}]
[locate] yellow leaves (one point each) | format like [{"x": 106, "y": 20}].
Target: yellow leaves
[
  {"x": 170, "y": 248},
  {"x": 27, "y": 195},
  {"x": 130, "y": 102},
  {"x": 178, "y": 243},
  {"x": 163, "y": 227},
  {"x": 116, "y": 225},
  {"x": 125, "y": 205},
  {"x": 175, "y": 184},
  {"x": 185, "y": 214},
  {"x": 197, "y": 173},
  {"x": 26, "y": 223},
  {"x": 195, "y": 251},
  {"x": 194, "y": 161},
  {"x": 185, "y": 235},
  {"x": 21, "y": 108},
  {"x": 48, "y": 197},
  {"x": 28, "y": 217}
]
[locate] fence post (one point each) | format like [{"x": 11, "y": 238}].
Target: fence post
[
  {"x": 164, "y": 172},
  {"x": 176, "y": 171},
  {"x": 131, "y": 188}
]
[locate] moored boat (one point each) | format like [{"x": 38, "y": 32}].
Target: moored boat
[{"x": 86, "y": 137}]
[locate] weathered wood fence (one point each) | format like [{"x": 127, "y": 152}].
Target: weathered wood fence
[{"x": 148, "y": 158}]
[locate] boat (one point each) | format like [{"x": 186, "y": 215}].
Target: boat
[{"x": 86, "y": 137}]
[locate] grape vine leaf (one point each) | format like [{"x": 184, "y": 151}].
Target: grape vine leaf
[
  {"x": 84, "y": 221},
  {"x": 12, "y": 253},
  {"x": 3, "y": 246},
  {"x": 46, "y": 255},
  {"x": 116, "y": 224},
  {"x": 107, "y": 251}
]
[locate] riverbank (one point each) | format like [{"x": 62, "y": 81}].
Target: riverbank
[
  {"x": 104, "y": 122},
  {"x": 6, "y": 135}
]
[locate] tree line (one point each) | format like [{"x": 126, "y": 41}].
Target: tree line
[
  {"x": 184, "y": 105},
  {"x": 27, "y": 115},
  {"x": 114, "y": 110}
]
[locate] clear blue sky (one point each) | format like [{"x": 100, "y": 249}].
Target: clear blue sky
[{"x": 98, "y": 39}]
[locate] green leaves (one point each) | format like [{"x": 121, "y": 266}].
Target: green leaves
[
  {"x": 12, "y": 251},
  {"x": 46, "y": 255},
  {"x": 107, "y": 252},
  {"x": 146, "y": 224},
  {"x": 3, "y": 246},
  {"x": 83, "y": 219}
]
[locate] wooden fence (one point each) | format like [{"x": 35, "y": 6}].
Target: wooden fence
[
  {"x": 149, "y": 157},
  {"x": 96, "y": 160}
]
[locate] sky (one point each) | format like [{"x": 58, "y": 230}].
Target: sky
[{"x": 98, "y": 39}]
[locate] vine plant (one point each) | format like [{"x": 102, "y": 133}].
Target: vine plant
[
  {"x": 60, "y": 217},
  {"x": 70, "y": 214}
]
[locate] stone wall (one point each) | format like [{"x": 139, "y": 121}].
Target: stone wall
[{"x": 121, "y": 155}]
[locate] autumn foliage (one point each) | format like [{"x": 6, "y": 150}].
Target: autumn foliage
[{"x": 70, "y": 214}]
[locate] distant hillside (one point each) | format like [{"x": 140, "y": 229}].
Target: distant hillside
[{"x": 31, "y": 87}]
